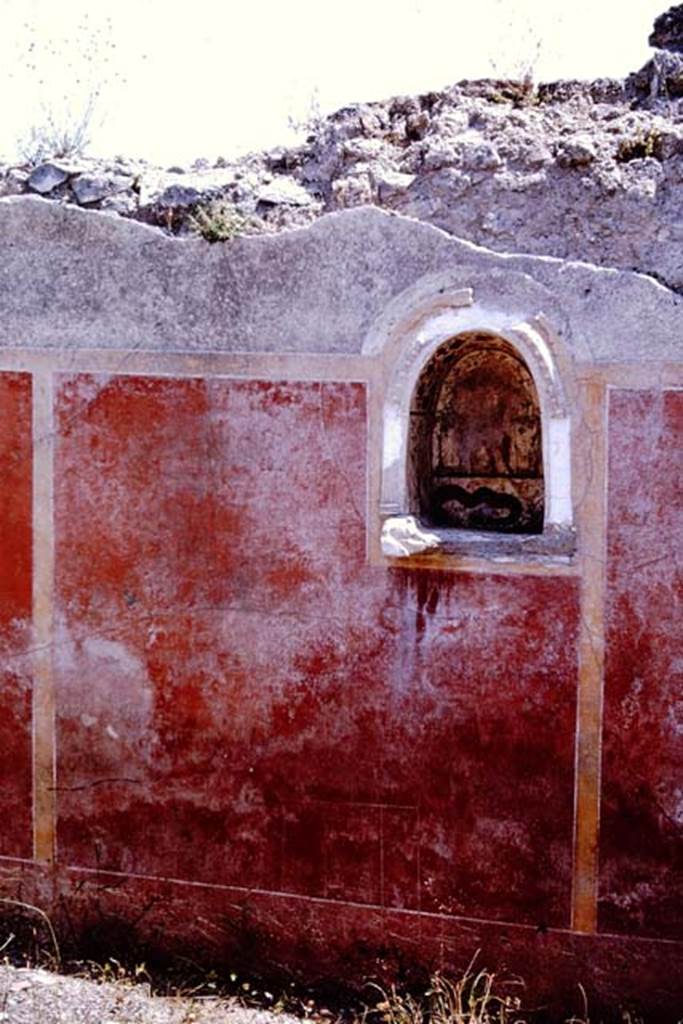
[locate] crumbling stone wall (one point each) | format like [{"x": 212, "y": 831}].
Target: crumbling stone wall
[{"x": 579, "y": 170}]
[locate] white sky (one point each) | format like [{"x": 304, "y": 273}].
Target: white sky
[{"x": 209, "y": 78}]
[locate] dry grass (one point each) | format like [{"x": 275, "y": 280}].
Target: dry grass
[{"x": 472, "y": 999}]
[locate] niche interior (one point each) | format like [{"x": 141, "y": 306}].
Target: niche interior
[{"x": 475, "y": 453}]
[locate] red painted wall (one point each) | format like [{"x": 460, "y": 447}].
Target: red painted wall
[
  {"x": 642, "y": 826},
  {"x": 326, "y": 746},
  {"x": 15, "y": 614},
  {"x": 244, "y": 701}
]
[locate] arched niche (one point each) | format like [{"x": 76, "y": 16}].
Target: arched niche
[{"x": 480, "y": 408}]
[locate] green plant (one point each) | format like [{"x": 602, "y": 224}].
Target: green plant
[
  {"x": 640, "y": 146},
  {"x": 219, "y": 221}
]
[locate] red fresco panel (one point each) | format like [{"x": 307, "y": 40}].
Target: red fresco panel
[
  {"x": 480, "y": 736},
  {"x": 15, "y": 613},
  {"x": 642, "y": 813},
  {"x": 244, "y": 701}
]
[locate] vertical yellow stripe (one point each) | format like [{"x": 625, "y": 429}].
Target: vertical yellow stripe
[
  {"x": 591, "y": 655},
  {"x": 44, "y": 806}
]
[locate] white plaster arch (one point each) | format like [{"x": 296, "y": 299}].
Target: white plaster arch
[{"x": 408, "y": 351}]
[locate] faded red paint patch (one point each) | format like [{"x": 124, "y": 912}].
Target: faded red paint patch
[
  {"x": 244, "y": 701},
  {"x": 642, "y": 815},
  {"x": 15, "y": 613},
  {"x": 481, "y": 739},
  {"x": 195, "y": 522}
]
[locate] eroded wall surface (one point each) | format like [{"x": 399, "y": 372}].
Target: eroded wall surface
[
  {"x": 642, "y": 830},
  {"x": 287, "y": 717},
  {"x": 254, "y": 737},
  {"x": 16, "y": 838}
]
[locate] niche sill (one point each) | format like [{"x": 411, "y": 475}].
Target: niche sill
[{"x": 404, "y": 537}]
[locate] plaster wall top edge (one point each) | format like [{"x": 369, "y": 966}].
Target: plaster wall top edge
[{"x": 75, "y": 279}]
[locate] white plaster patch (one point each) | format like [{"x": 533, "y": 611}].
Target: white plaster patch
[
  {"x": 87, "y": 388},
  {"x": 103, "y": 680},
  {"x": 113, "y": 653},
  {"x": 541, "y": 347},
  {"x": 393, "y": 437},
  {"x": 559, "y": 472},
  {"x": 402, "y": 536}
]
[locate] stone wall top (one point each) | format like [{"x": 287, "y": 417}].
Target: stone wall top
[{"x": 72, "y": 279}]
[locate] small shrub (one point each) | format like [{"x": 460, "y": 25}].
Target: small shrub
[
  {"x": 63, "y": 136},
  {"x": 312, "y": 122},
  {"x": 219, "y": 221},
  {"x": 645, "y": 144},
  {"x": 68, "y": 76}
]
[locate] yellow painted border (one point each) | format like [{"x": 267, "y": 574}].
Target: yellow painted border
[
  {"x": 592, "y": 508},
  {"x": 44, "y": 805}
]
